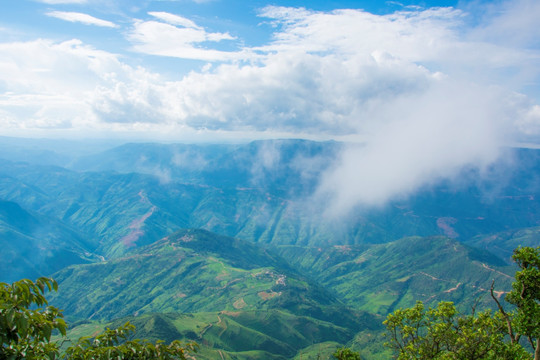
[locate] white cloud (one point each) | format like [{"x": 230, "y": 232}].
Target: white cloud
[
  {"x": 51, "y": 90},
  {"x": 81, "y": 18},
  {"x": 58, "y": 2},
  {"x": 417, "y": 141},
  {"x": 513, "y": 23},
  {"x": 177, "y": 37},
  {"x": 174, "y": 19}
]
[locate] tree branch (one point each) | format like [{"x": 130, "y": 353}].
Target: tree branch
[
  {"x": 504, "y": 314},
  {"x": 531, "y": 341}
]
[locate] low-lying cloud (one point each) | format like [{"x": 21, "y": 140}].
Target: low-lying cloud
[{"x": 419, "y": 141}]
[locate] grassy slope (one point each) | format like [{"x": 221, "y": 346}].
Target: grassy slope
[
  {"x": 245, "y": 302},
  {"x": 259, "y": 334},
  {"x": 239, "y": 293},
  {"x": 194, "y": 271},
  {"x": 267, "y": 334},
  {"x": 381, "y": 278}
]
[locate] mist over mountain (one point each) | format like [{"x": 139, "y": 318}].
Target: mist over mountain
[
  {"x": 57, "y": 152},
  {"x": 288, "y": 167},
  {"x": 34, "y": 245},
  {"x": 265, "y": 191}
]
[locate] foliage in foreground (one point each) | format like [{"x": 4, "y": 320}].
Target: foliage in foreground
[
  {"x": 525, "y": 295},
  {"x": 26, "y": 332},
  {"x": 111, "y": 344},
  {"x": 443, "y": 333},
  {"x": 346, "y": 354},
  {"x": 27, "y": 323}
]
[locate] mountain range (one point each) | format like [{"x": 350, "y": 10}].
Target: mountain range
[{"x": 225, "y": 244}]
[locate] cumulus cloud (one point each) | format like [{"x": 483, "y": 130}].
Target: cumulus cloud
[
  {"x": 51, "y": 90},
  {"x": 176, "y": 36},
  {"x": 81, "y": 18}
]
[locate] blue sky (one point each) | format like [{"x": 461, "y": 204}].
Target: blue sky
[{"x": 424, "y": 88}]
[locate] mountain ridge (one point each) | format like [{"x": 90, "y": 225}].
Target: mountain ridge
[{"x": 118, "y": 212}]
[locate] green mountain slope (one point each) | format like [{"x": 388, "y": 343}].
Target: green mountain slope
[
  {"x": 272, "y": 331},
  {"x": 258, "y": 192},
  {"x": 257, "y": 334},
  {"x": 122, "y": 211},
  {"x": 381, "y": 278},
  {"x": 34, "y": 245},
  {"x": 243, "y": 301},
  {"x": 193, "y": 271},
  {"x": 503, "y": 244},
  {"x": 252, "y": 192},
  {"x": 499, "y": 198}
]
